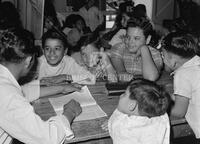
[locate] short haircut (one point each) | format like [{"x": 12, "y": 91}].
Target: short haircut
[
  {"x": 52, "y": 34},
  {"x": 180, "y": 43},
  {"x": 152, "y": 99},
  {"x": 142, "y": 23}
]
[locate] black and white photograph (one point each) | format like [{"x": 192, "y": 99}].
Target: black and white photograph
[{"x": 99, "y": 71}]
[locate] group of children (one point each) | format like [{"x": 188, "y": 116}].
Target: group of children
[
  {"x": 142, "y": 113},
  {"x": 136, "y": 118}
]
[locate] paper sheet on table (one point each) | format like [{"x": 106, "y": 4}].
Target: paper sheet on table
[{"x": 90, "y": 109}]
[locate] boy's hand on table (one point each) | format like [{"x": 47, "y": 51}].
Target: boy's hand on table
[
  {"x": 71, "y": 110},
  {"x": 55, "y": 79},
  {"x": 104, "y": 126},
  {"x": 77, "y": 85},
  {"x": 68, "y": 88}
]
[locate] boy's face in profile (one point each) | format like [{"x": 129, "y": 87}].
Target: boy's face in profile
[
  {"x": 53, "y": 51},
  {"x": 80, "y": 25},
  {"x": 168, "y": 60}
]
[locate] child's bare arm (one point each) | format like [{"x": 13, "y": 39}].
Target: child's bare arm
[
  {"x": 57, "y": 89},
  {"x": 180, "y": 106},
  {"x": 149, "y": 68},
  {"x": 56, "y": 79}
]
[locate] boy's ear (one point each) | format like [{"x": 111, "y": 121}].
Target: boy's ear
[
  {"x": 28, "y": 61},
  {"x": 133, "y": 106},
  {"x": 148, "y": 39},
  {"x": 66, "y": 50},
  {"x": 42, "y": 51},
  {"x": 175, "y": 61}
]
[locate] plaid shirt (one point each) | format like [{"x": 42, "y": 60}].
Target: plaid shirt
[{"x": 133, "y": 65}]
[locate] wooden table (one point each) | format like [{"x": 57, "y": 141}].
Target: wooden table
[{"x": 90, "y": 131}]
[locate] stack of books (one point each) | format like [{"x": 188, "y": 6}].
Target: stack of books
[{"x": 116, "y": 89}]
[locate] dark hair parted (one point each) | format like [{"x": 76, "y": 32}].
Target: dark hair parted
[
  {"x": 142, "y": 23},
  {"x": 180, "y": 43},
  {"x": 16, "y": 44},
  {"x": 52, "y": 34},
  {"x": 152, "y": 99}
]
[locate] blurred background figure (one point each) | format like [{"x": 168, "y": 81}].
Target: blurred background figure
[
  {"x": 50, "y": 16},
  {"x": 91, "y": 14},
  {"x": 75, "y": 21},
  {"x": 9, "y": 16},
  {"x": 73, "y": 36},
  {"x": 114, "y": 36}
]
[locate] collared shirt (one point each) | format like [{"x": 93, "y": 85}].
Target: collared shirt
[
  {"x": 67, "y": 66},
  {"x": 133, "y": 129},
  {"x": 132, "y": 64},
  {"x": 19, "y": 120},
  {"x": 93, "y": 17},
  {"x": 187, "y": 84}
]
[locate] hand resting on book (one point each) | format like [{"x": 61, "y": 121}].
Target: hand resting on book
[
  {"x": 68, "y": 88},
  {"x": 72, "y": 109}
]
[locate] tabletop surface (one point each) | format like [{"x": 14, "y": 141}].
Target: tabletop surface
[{"x": 91, "y": 129}]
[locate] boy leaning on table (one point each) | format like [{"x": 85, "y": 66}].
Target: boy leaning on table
[{"x": 55, "y": 67}]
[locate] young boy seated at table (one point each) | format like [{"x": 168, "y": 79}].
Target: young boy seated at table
[
  {"x": 179, "y": 54},
  {"x": 56, "y": 67},
  {"x": 56, "y": 70},
  {"x": 95, "y": 60},
  {"x": 141, "y": 116}
]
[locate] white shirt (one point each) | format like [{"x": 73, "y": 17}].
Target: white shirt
[
  {"x": 133, "y": 129},
  {"x": 93, "y": 17},
  {"x": 117, "y": 38},
  {"x": 67, "y": 66},
  {"x": 19, "y": 120},
  {"x": 187, "y": 84}
]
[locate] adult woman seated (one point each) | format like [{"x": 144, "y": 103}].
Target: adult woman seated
[
  {"x": 18, "y": 118},
  {"x": 133, "y": 56}
]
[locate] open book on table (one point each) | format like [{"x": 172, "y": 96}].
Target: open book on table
[{"x": 90, "y": 109}]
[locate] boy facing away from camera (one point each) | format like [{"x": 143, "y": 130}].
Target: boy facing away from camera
[
  {"x": 141, "y": 115},
  {"x": 179, "y": 54}
]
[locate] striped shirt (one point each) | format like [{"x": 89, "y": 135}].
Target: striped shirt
[
  {"x": 4, "y": 137},
  {"x": 132, "y": 64}
]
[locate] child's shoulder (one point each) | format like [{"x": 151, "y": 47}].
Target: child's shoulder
[{"x": 68, "y": 59}]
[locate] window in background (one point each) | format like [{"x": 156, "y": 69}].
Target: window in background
[{"x": 111, "y": 7}]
